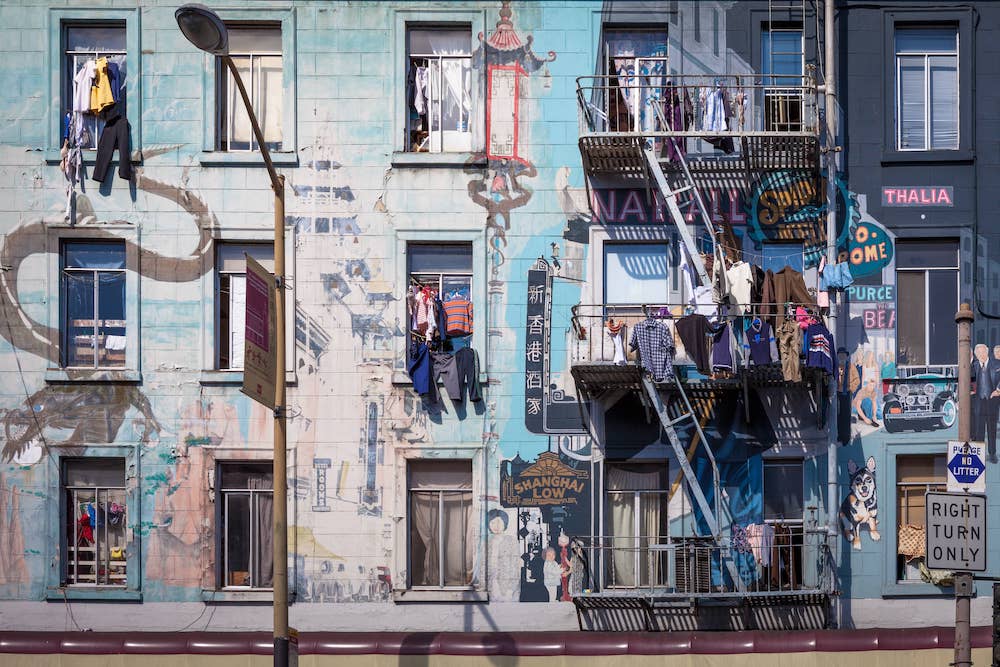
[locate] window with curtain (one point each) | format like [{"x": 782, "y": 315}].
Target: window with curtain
[
  {"x": 636, "y": 496},
  {"x": 440, "y": 105},
  {"x": 440, "y": 523},
  {"x": 926, "y": 301},
  {"x": 256, "y": 52},
  {"x": 96, "y": 520},
  {"x": 247, "y": 508},
  {"x": 926, "y": 88},
  {"x": 636, "y": 67},
  {"x": 93, "y": 304},
  {"x": 915, "y": 476},
  {"x": 636, "y": 273},
  {"x": 231, "y": 277}
]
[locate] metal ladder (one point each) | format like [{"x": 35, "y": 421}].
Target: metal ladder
[{"x": 710, "y": 514}]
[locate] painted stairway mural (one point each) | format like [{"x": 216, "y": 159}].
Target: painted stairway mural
[{"x": 541, "y": 480}]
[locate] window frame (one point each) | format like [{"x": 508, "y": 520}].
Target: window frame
[
  {"x": 219, "y": 275},
  {"x": 225, "y": 121},
  {"x": 594, "y": 289},
  {"x": 402, "y": 19},
  {"x": 637, "y": 495},
  {"x": 888, "y": 521},
  {"x": 70, "y": 517},
  {"x": 928, "y": 100},
  {"x": 468, "y": 59},
  {"x": 64, "y": 319},
  {"x": 56, "y": 234},
  {"x": 221, "y": 497},
  {"x": 925, "y": 272},
  {"x": 211, "y": 154},
  {"x": 930, "y": 17},
  {"x": 58, "y": 19},
  {"x": 70, "y": 56}
]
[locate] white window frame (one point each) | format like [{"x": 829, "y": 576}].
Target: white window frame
[
  {"x": 223, "y": 498},
  {"x": 71, "y": 518},
  {"x": 439, "y": 146},
  {"x": 925, "y": 271},
  {"x": 225, "y": 125},
  {"x": 927, "y": 94},
  {"x": 594, "y": 289}
]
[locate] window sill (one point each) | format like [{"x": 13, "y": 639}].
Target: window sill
[
  {"x": 440, "y": 595},
  {"x": 71, "y": 375},
  {"x": 92, "y": 593},
  {"x": 54, "y": 156},
  {"x": 223, "y": 596},
  {"x": 409, "y": 159},
  {"x": 964, "y": 155},
  {"x": 247, "y": 159},
  {"x": 234, "y": 378},
  {"x": 916, "y": 589}
]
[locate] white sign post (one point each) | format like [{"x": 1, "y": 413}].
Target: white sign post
[
  {"x": 956, "y": 532},
  {"x": 966, "y": 467}
]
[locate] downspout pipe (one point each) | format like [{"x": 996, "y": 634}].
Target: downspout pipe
[{"x": 830, "y": 93}]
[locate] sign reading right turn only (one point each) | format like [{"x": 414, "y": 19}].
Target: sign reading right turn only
[{"x": 956, "y": 532}]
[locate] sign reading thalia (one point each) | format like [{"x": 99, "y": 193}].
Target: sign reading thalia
[
  {"x": 918, "y": 195},
  {"x": 259, "y": 345},
  {"x": 956, "y": 532}
]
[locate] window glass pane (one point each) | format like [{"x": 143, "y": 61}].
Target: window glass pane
[
  {"x": 942, "y": 292},
  {"x": 111, "y": 318},
  {"x": 911, "y": 314},
  {"x": 440, "y": 474},
  {"x": 456, "y": 94},
  {"x": 636, "y": 43},
  {"x": 95, "y": 38},
  {"x": 79, "y": 299},
  {"x": 635, "y": 273},
  {"x": 911, "y": 102},
  {"x": 783, "y": 492},
  {"x": 782, "y": 55},
  {"x": 936, "y": 253},
  {"x": 424, "y": 538},
  {"x": 439, "y": 258},
  {"x": 777, "y": 256},
  {"x": 246, "y": 475},
  {"x": 238, "y": 132},
  {"x": 927, "y": 40},
  {"x": 944, "y": 102},
  {"x": 91, "y": 472},
  {"x": 254, "y": 39},
  {"x": 268, "y": 102},
  {"x": 440, "y": 41},
  {"x": 620, "y": 519},
  {"x": 237, "y": 539},
  {"x": 928, "y": 468},
  {"x": 89, "y": 255},
  {"x": 457, "y": 508},
  {"x": 262, "y": 516},
  {"x": 230, "y": 256}
]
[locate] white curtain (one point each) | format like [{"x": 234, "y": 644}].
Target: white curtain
[
  {"x": 441, "y": 523},
  {"x": 630, "y": 534},
  {"x": 263, "y": 574}
]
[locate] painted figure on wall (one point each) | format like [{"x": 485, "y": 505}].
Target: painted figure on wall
[
  {"x": 860, "y": 507},
  {"x": 504, "y": 559},
  {"x": 552, "y": 573},
  {"x": 565, "y": 561},
  {"x": 866, "y": 396},
  {"x": 986, "y": 400}
]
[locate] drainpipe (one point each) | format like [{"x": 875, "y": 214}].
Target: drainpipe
[{"x": 830, "y": 92}]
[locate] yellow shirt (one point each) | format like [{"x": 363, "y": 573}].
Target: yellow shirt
[{"x": 101, "y": 96}]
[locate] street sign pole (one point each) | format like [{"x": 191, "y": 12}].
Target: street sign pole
[{"x": 963, "y": 580}]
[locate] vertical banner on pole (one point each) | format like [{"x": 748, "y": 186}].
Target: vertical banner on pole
[{"x": 259, "y": 340}]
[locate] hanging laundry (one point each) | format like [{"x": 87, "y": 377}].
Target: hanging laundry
[
  {"x": 655, "y": 343},
  {"x": 724, "y": 356},
  {"x": 760, "y": 345},
  {"x": 716, "y": 118},
  {"x": 115, "y": 135},
  {"x": 740, "y": 281},
  {"x": 614, "y": 331},
  {"x": 678, "y": 113},
  {"x": 420, "y": 366},
  {"x": 789, "y": 348},
  {"x": 693, "y": 331},
  {"x": 420, "y": 90},
  {"x": 101, "y": 95},
  {"x": 819, "y": 348},
  {"x": 82, "y": 85},
  {"x": 835, "y": 277},
  {"x": 467, "y": 363},
  {"x": 458, "y": 311}
]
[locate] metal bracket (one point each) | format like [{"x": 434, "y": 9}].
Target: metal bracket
[
  {"x": 280, "y": 412},
  {"x": 279, "y": 282}
]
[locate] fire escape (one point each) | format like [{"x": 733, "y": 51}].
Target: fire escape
[{"x": 659, "y": 133}]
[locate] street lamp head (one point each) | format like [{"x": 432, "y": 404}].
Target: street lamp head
[{"x": 203, "y": 28}]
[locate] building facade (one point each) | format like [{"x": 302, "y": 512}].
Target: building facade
[{"x": 556, "y": 174}]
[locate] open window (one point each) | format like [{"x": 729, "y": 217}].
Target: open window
[
  {"x": 246, "y": 546},
  {"x": 636, "y": 72},
  {"x": 916, "y": 475},
  {"x": 231, "y": 267},
  {"x": 782, "y": 67},
  {"x": 439, "y": 90},
  {"x": 90, "y": 46},
  {"x": 96, "y": 521}
]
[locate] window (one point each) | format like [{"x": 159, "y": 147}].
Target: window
[
  {"x": 93, "y": 298},
  {"x": 246, "y": 506},
  {"x": 96, "y": 520},
  {"x": 440, "y": 523},
  {"x": 636, "y": 66},
  {"x": 926, "y": 88},
  {"x": 778, "y": 255},
  {"x": 783, "y": 510},
  {"x": 636, "y": 518},
  {"x": 445, "y": 269},
  {"x": 636, "y": 273},
  {"x": 439, "y": 89},
  {"x": 926, "y": 273},
  {"x": 256, "y": 52},
  {"x": 83, "y": 43},
  {"x": 782, "y": 66},
  {"x": 915, "y": 476},
  {"x": 231, "y": 298}
]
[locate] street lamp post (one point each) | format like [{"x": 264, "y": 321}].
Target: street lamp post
[{"x": 203, "y": 28}]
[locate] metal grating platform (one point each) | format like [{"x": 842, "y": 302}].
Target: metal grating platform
[
  {"x": 594, "y": 378},
  {"x": 619, "y": 154}
]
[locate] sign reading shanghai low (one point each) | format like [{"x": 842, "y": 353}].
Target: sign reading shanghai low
[{"x": 547, "y": 481}]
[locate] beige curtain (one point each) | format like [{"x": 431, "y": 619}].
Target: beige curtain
[
  {"x": 263, "y": 574},
  {"x": 441, "y": 513},
  {"x": 629, "y": 564}
]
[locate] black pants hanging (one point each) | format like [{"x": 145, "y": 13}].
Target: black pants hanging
[{"x": 115, "y": 135}]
